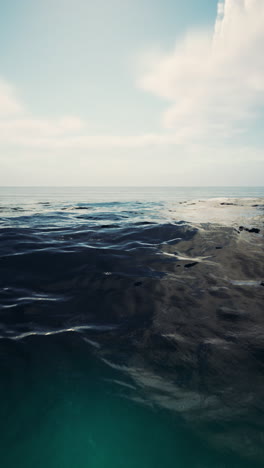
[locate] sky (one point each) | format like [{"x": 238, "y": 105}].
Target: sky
[{"x": 132, "y": 92}]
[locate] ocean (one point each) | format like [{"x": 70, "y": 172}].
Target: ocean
[{"x": 131, "y": 327}]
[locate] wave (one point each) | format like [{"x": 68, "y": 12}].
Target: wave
[{"x": 175, "y": 305}]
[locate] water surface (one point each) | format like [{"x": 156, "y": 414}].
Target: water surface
[{"x": 131, "y": 327}]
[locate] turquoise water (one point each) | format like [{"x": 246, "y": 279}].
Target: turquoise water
[
  {"x": 61, "y": 408},
  {"x": 130, "y": 337}
]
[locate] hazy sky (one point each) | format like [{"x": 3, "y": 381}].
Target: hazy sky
[{"x": 131, "y": 92}]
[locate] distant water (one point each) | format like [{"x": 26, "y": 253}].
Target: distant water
[
  {"x": 111, "y": 194},
  {"x": 131, "y": 327}
]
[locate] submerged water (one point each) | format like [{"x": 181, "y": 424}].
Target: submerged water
[{"x": 131, "y": 327}]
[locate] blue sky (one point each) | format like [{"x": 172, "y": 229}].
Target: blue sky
[{"x": 122, "y": 92}]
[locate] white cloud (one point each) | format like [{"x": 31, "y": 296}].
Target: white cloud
[
  {"x": 26, "y": 128},
  {"x": 20, "y": 129},
  {"x": 213, "y": 81},
  {"x": 18, "y": 126},
  {"x": 9, "y": 103},
  {"x": 214, "y": 85}
]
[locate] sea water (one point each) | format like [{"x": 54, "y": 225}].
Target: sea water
[{"x": 125, "y": 339}]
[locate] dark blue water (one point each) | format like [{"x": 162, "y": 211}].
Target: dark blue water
[{"x": 131, "y": 327}]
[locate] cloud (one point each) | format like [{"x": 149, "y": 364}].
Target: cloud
[
  {"x": 17, "y": 125},
  {"x": 213, "y": 81},
  {"x": 19, "y": 129},
  {"x": 9, "y": 103}
]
